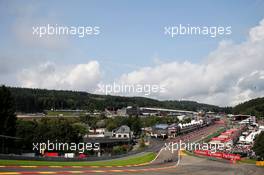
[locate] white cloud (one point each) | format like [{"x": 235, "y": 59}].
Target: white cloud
[
  {"x": 257, "y": 33},
  {"x": 229, "y": 75},
  {"x": 48, "y": 75}
]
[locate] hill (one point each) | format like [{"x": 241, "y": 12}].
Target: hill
[
  {"x": 251, "y": 107},
  {"x": 37, "y": 100}
]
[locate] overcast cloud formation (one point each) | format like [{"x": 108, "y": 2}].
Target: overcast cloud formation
[
  {"x": 80, "y": 77},
  {"x": 231, "y": 74}
]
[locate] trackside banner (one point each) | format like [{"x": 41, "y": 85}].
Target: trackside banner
[{"x": 218, "y": 154}]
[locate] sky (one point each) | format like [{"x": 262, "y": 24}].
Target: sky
[{"x": 133, "y": 49}]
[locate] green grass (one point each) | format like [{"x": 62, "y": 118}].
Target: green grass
[
  {"x": 246, "y": 160},
  {"x": 215, "y": 134},
  {"x": 133, "y": 160},
  {"x": 64, "y": 113}
]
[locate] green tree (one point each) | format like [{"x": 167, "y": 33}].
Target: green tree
[
  {"x": 119, "y": 149},
  {"x": 89, "y": 120},
  {"x": 7, "y": 118},
  {"x": 142, "y": 143},
  {"x": 37, "y": 100},
  {"x": 80, "y": 128},
  {"x": 26, "y": 130},
  {"x": 58, "y": 129},
  {"x": 111, "y": 124},
  {"x": 85, "y": 118},
  {"x": 136, "y": 125},
  {"x": 258, "y": 147},
  {"x": 101, "y": 124}
]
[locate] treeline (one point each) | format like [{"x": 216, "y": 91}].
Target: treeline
[
  {"x": 53, "y": 129},
  {"x": 17, "y": 135},
  {"x": 252, "y": 107},
  {"x": 37, "y": 100},
  {"x": 7, "y": 119}
]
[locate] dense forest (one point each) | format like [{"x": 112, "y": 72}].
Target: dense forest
[
  {"x": 37, "y": 100},
  {"x": 252, "y": 107}
]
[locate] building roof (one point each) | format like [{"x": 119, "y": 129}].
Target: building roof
[
  {"x": 106, "y": 140},
  {"x": 122, "y": 129},
  {"x": 167, "y": 110},
  {"x": 161, "y": 126}
]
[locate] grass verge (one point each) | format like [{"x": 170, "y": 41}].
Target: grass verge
[
  {"x": 133, "y": 160},
  {"x": 215, "y": 134},
  {"x": 246, "y": 160}
]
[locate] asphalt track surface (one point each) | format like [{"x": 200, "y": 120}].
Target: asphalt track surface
[{"x": 187, "y": 164}]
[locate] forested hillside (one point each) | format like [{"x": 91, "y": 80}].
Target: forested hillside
[
  {"x": 36, "y": 100},
  {"x": 251, "y": 107}
]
